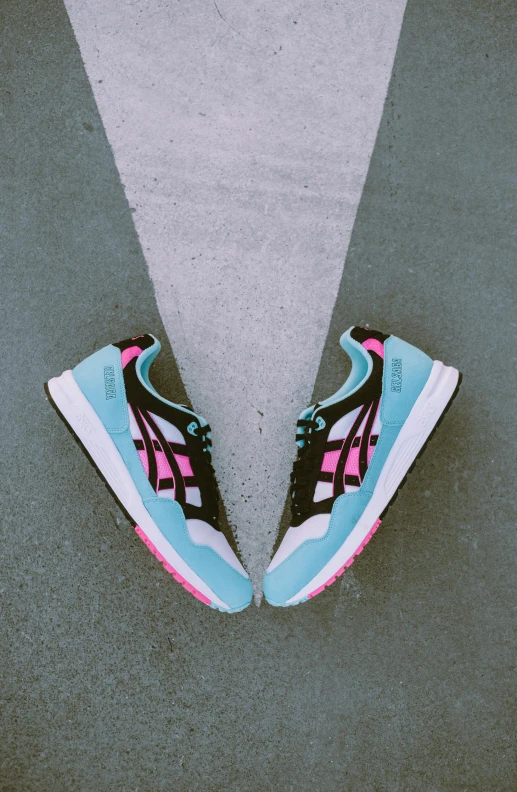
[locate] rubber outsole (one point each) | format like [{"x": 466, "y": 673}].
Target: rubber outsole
[
  {"x": 381, "y": 516},
  {"x": 179, "y": 579}
]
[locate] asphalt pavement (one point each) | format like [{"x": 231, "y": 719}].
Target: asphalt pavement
[{"x": 399, "y": 677}]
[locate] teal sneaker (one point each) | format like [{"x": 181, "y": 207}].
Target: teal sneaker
[
  {"x": 155, "y": 458},
  {"x": 354, "y": 451}
]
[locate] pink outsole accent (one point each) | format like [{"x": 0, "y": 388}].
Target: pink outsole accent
[
  {"x": 176, "y": 575},
  {"x": 347, "y": 563},
  {"x": 374, "y": 346}
]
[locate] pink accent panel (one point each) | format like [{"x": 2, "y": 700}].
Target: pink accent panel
[
  {"x": 330, "y": 460},
  {"x": 129, "y": 354},
  {"x": 143, "y": 460},
  {"x": 352, "y": 463},
  {"x": 371, "y": 448},
  {"x": 374, "y": 346},
  {"x": 176, "y": 575},
  {"x": 349, "y": 562},
  {"x": 163, "y": 467},
  {"x": 184, "y": 465}
]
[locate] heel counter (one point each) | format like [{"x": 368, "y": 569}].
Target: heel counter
[
  {"x": 406, "y": 370},
  {"x": 100, "y": 379}
]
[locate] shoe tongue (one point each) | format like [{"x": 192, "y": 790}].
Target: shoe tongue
[
  {"x": 319, "y": 409},
  {"x": 308, "y": 413},
  {"x": 305, "y": 415}
]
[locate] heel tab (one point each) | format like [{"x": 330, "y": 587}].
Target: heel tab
[
  {"x": 372, "y": 340},
  {"x": 361, "y": 345},
  {"x": 362, "y": 366},
  {"x": 362, "y": 340},
  {"x": 144, "y": 341},
  {"x": 134, "y": 347}
]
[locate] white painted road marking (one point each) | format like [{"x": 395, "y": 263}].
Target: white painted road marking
[{"x": 243, "y": 136}]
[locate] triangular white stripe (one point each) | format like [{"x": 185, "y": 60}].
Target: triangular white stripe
[{"x": 243, "y": 151}]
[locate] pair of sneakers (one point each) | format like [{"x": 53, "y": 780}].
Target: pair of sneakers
[{"x": 354, "y": 451}]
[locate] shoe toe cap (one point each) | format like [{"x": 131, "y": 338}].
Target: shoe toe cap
[{"x": 293, "y": 564}]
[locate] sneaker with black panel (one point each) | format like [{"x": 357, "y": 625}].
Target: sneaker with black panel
[
  {"x": 354, "y": 451},
  {"x": 154, "y": 456}
]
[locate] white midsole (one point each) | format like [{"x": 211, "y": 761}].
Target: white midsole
[
  {"x": 80, "y": 415},
  {"x": 419, "y": 424}
]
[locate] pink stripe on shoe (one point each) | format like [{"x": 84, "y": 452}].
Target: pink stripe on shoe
[
  {"x": 374, "y": 346},
  {"x": 184, "y": 465},
  {"x": 144, "y": 461},
  {"x": 347, "y": 563},
  {"x": 162, "y": 465},
  {"x": 130, "y": 353},
  {"x": 176, "y": 575},
  {"x": 352, "y": 463},
  {"x": 330, "y": 460}
]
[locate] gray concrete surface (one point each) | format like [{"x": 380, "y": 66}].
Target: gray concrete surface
[
  {"x": 243, "y": 138},
  {"x": 402, "y": 676}
]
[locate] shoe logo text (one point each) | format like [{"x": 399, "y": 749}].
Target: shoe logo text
[
  {"x": 83, "y": 421},
  {"x": 427, "y": 414},
  {"x": 396, "y": 375},
  {"x": 109, "y": 382}
]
